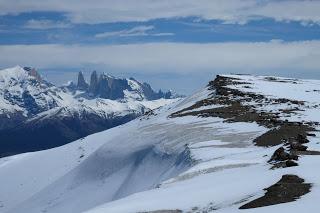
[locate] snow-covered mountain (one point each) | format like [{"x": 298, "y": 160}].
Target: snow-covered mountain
[
  {"x": 242, "y": 144},
  {"x": 36, "y": 115}
]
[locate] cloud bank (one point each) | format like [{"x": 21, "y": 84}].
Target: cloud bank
[
  {"x": 234, "y": 11},
  {"x": 177, "y": 58}
]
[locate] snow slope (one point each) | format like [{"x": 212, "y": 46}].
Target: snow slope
[{"x": 159, "y": 162}]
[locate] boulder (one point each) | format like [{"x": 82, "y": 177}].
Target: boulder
[
  {"x": 302, "y": 138},
  {"x": 281, "y": 155},
  {"x": 298, "y": 146}
]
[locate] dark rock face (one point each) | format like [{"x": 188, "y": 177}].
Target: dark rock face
[
  {"x": 82, "y": 84},
  {"x": 103, "y": 87},
  {"x": 288, "y": 189},
  {"x": 117, "y": 87},
  {"x": 107, "y": 87},
  {"x": 149, "y": 93},
  {"x": 93, "y": 88},
  {"x": 30, "y": 103}
]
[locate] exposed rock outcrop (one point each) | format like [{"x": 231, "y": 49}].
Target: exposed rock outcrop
[
  {"x": 33, "y": 72},
  {"x": 82, "y": 84},
  {"x": 288, "y": 189},
  {"x": 93, "y": 88}
]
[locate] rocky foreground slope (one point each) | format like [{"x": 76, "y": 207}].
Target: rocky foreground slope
[
  {"x": 37, "y": 115},
  {"x": 242, "y": 144}
]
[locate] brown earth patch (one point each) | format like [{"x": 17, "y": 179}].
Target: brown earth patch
[
  {"x": 282, "y": 133},
  {"x": 288, "y": 189}
]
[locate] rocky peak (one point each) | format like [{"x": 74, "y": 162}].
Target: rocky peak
[
  {"x": 103, "y": 87},
  {"x": 82, "y": 84},
  {"x": 110, "y": 87},
  {"x": 93, "y": 88}
]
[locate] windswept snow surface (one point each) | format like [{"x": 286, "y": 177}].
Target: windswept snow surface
[{"x": 158, "y": 163}]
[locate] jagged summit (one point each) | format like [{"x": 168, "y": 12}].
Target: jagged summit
[
  {"x": 93, "y": 87},
  {"x": 109, "y": 87},
  {"x": 23, "y": 89},
  {"x": 82, "y": 84},
  {"x": 15, "y": 73},
  {"x": 18, "y": 74}
]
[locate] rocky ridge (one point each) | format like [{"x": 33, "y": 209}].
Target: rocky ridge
[
  {"x": 238, "y": 105},
  {"x": 109, "y": 87}
]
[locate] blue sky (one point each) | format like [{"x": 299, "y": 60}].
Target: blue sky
[{"x": 173, "y": 44}]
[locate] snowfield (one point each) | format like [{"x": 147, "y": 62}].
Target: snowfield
[{"x": 160, "y": 162}]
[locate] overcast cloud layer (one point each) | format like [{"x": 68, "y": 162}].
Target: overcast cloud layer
[
  {"x": 169, "y": 43},
  {"x": 239, "y": 11},
  {"x": 175, "y": 57}
]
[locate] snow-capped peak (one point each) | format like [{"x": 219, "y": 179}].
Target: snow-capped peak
[{"x": 14, "y": 73}]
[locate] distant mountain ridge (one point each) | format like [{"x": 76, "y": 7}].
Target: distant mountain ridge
[
  {"x": 36, "y": 115},
  {"x": 110, "y": 87}
]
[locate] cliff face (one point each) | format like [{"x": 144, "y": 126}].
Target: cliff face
[
  {"x": 82, "y": 84},
  {"x": 93, "y": 83}
]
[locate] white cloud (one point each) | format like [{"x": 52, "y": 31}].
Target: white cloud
[
  {"x": 45, "y": 24},
  {"x": 163, "y": 34},
  {"x": 234, "y": 11},
  {"x": 170, "y": 57},
  {"x": 135, "y": 31}
]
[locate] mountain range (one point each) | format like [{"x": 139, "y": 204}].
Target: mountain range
[
  {"x": 242, "y": 144},
  {"x": 37, "y": 115}
]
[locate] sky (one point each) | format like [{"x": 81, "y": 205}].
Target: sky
[{"x": 171, "y": 44}]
